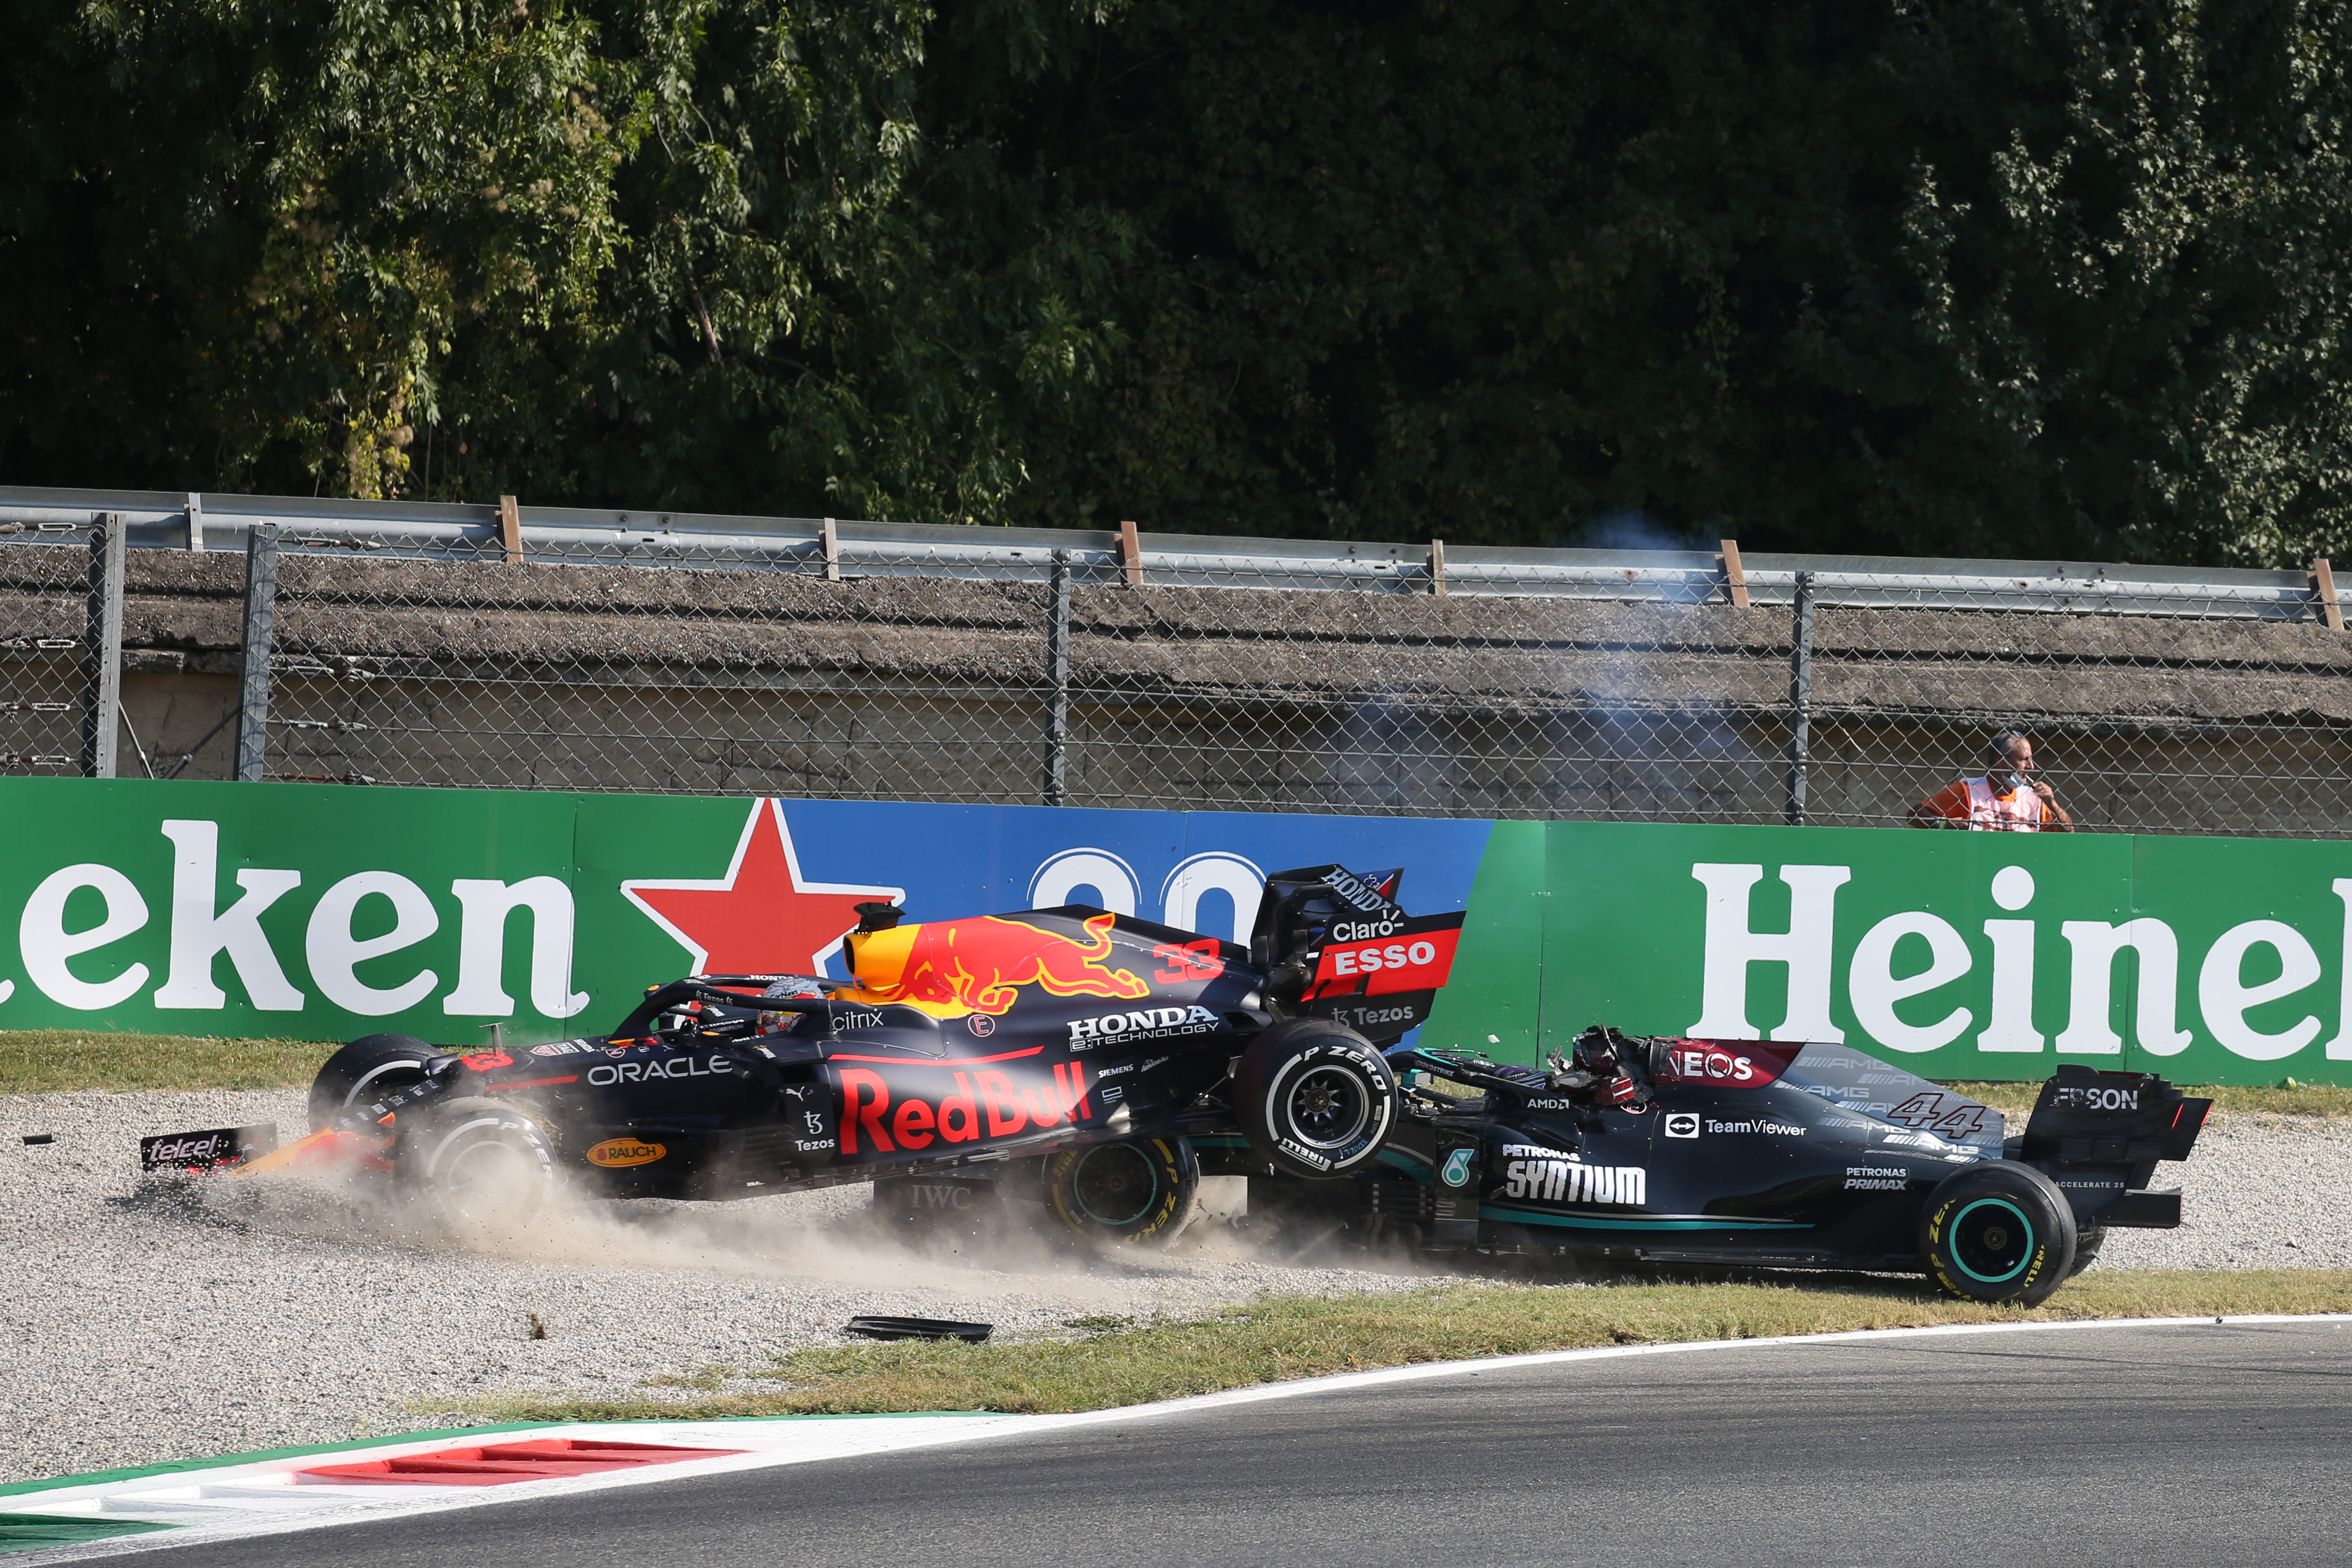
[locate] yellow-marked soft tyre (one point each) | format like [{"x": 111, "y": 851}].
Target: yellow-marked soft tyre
[
  {"x": 1141, "y": 1192},
  {"x": 1999, "y": 1232},
  {"x": 1316, "y": 1098},
  {"x": 477, "y": 1167}
]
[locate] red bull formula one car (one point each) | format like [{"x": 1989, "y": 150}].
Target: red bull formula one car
[{"x": 1073, "y": 1044}]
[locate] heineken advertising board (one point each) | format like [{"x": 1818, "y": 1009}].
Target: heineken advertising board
[
  {"x": 327, "y": 911},
  {"x": 1958, "y": 955}
]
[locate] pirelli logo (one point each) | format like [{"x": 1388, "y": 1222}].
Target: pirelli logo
[{"x": 1573, "y": 1182}]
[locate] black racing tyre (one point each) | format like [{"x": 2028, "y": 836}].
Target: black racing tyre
[
  {"x": 2087, "y": 1243},
  {"x": 474, "y": 1165},
  {"x": 367, "y": 1069},
  {"x": 1316, "y": 1098},
  {"x": 1997, "y": 1232},
  {"x": 1142, "y": 1191}
]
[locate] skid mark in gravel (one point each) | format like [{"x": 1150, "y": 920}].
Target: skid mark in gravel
[{"x": 146, "y": 1321}]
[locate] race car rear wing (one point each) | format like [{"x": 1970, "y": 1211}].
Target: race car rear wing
[
  {"x": 2088, "y": 1116},
  {"x": 1336, "y": 944},
  {"x": 1301, "y": 910},
  {"x": 2100, "y": 1134}
]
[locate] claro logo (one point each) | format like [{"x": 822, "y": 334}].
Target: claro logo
[{"x": 615, "y": 1151}]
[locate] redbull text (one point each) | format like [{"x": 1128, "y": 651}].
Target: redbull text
[{"x": 985, "y": 1097}]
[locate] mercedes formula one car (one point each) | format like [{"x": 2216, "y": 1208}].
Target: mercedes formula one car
[
  {"x": 1072, "y": 1045},
  {"x": 1748, "y": 1152}
]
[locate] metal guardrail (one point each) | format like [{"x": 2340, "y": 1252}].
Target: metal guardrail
[{"x": 844, "y": 549}]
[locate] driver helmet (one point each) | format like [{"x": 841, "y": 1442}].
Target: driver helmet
[
  {"x": 792, "y": 988},
  {"x": 1596, "y": 1051}
]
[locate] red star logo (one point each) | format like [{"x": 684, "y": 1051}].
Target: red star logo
[{"x": 760, "y": 918}]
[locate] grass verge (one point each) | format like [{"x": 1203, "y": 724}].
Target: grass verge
[
  {"x": 54, "y": 1061},
  {"x": 1293, "y": 1337}
]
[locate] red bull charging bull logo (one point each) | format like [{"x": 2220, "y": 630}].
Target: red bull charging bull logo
[{"x": 951, "y": 969}]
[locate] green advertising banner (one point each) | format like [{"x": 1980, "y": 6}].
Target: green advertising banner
[
  {"x": 1958, "y": 956},
  {"x": 327, "y": 911},
  {"x": 316, "y": 911}
]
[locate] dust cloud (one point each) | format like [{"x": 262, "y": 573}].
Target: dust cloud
[{"x": 838, "y": 1237}]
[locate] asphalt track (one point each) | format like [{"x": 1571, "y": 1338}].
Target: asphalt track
[{"x": 2158, "y": 1445}]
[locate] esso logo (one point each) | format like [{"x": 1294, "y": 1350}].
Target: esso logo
[
  {"x": 1704, "y": 1064},
  {"x": 1415, "y": 960},
  {"x": 1373, "y": 960}
]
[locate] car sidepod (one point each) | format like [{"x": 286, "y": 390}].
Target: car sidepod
[
  {"x": 1564, "y": 1175},
  {"x": 644, "y": 1118},
  {"x": 1807, "y": 1155},
  {"x": 1122, "y": 1039}
]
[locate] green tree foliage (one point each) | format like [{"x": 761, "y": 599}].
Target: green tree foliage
[
  {"x": 2007, "y": 277},
  {"x": 239, "y": 241}
]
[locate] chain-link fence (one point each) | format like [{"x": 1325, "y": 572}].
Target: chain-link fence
[
  {"x": 54, "y": 652},
  {"x": 545, "y": 649},
  {"x": 710, "y": 679}
]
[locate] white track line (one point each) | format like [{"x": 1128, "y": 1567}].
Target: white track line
[{"x": 802, "y": 1440}]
